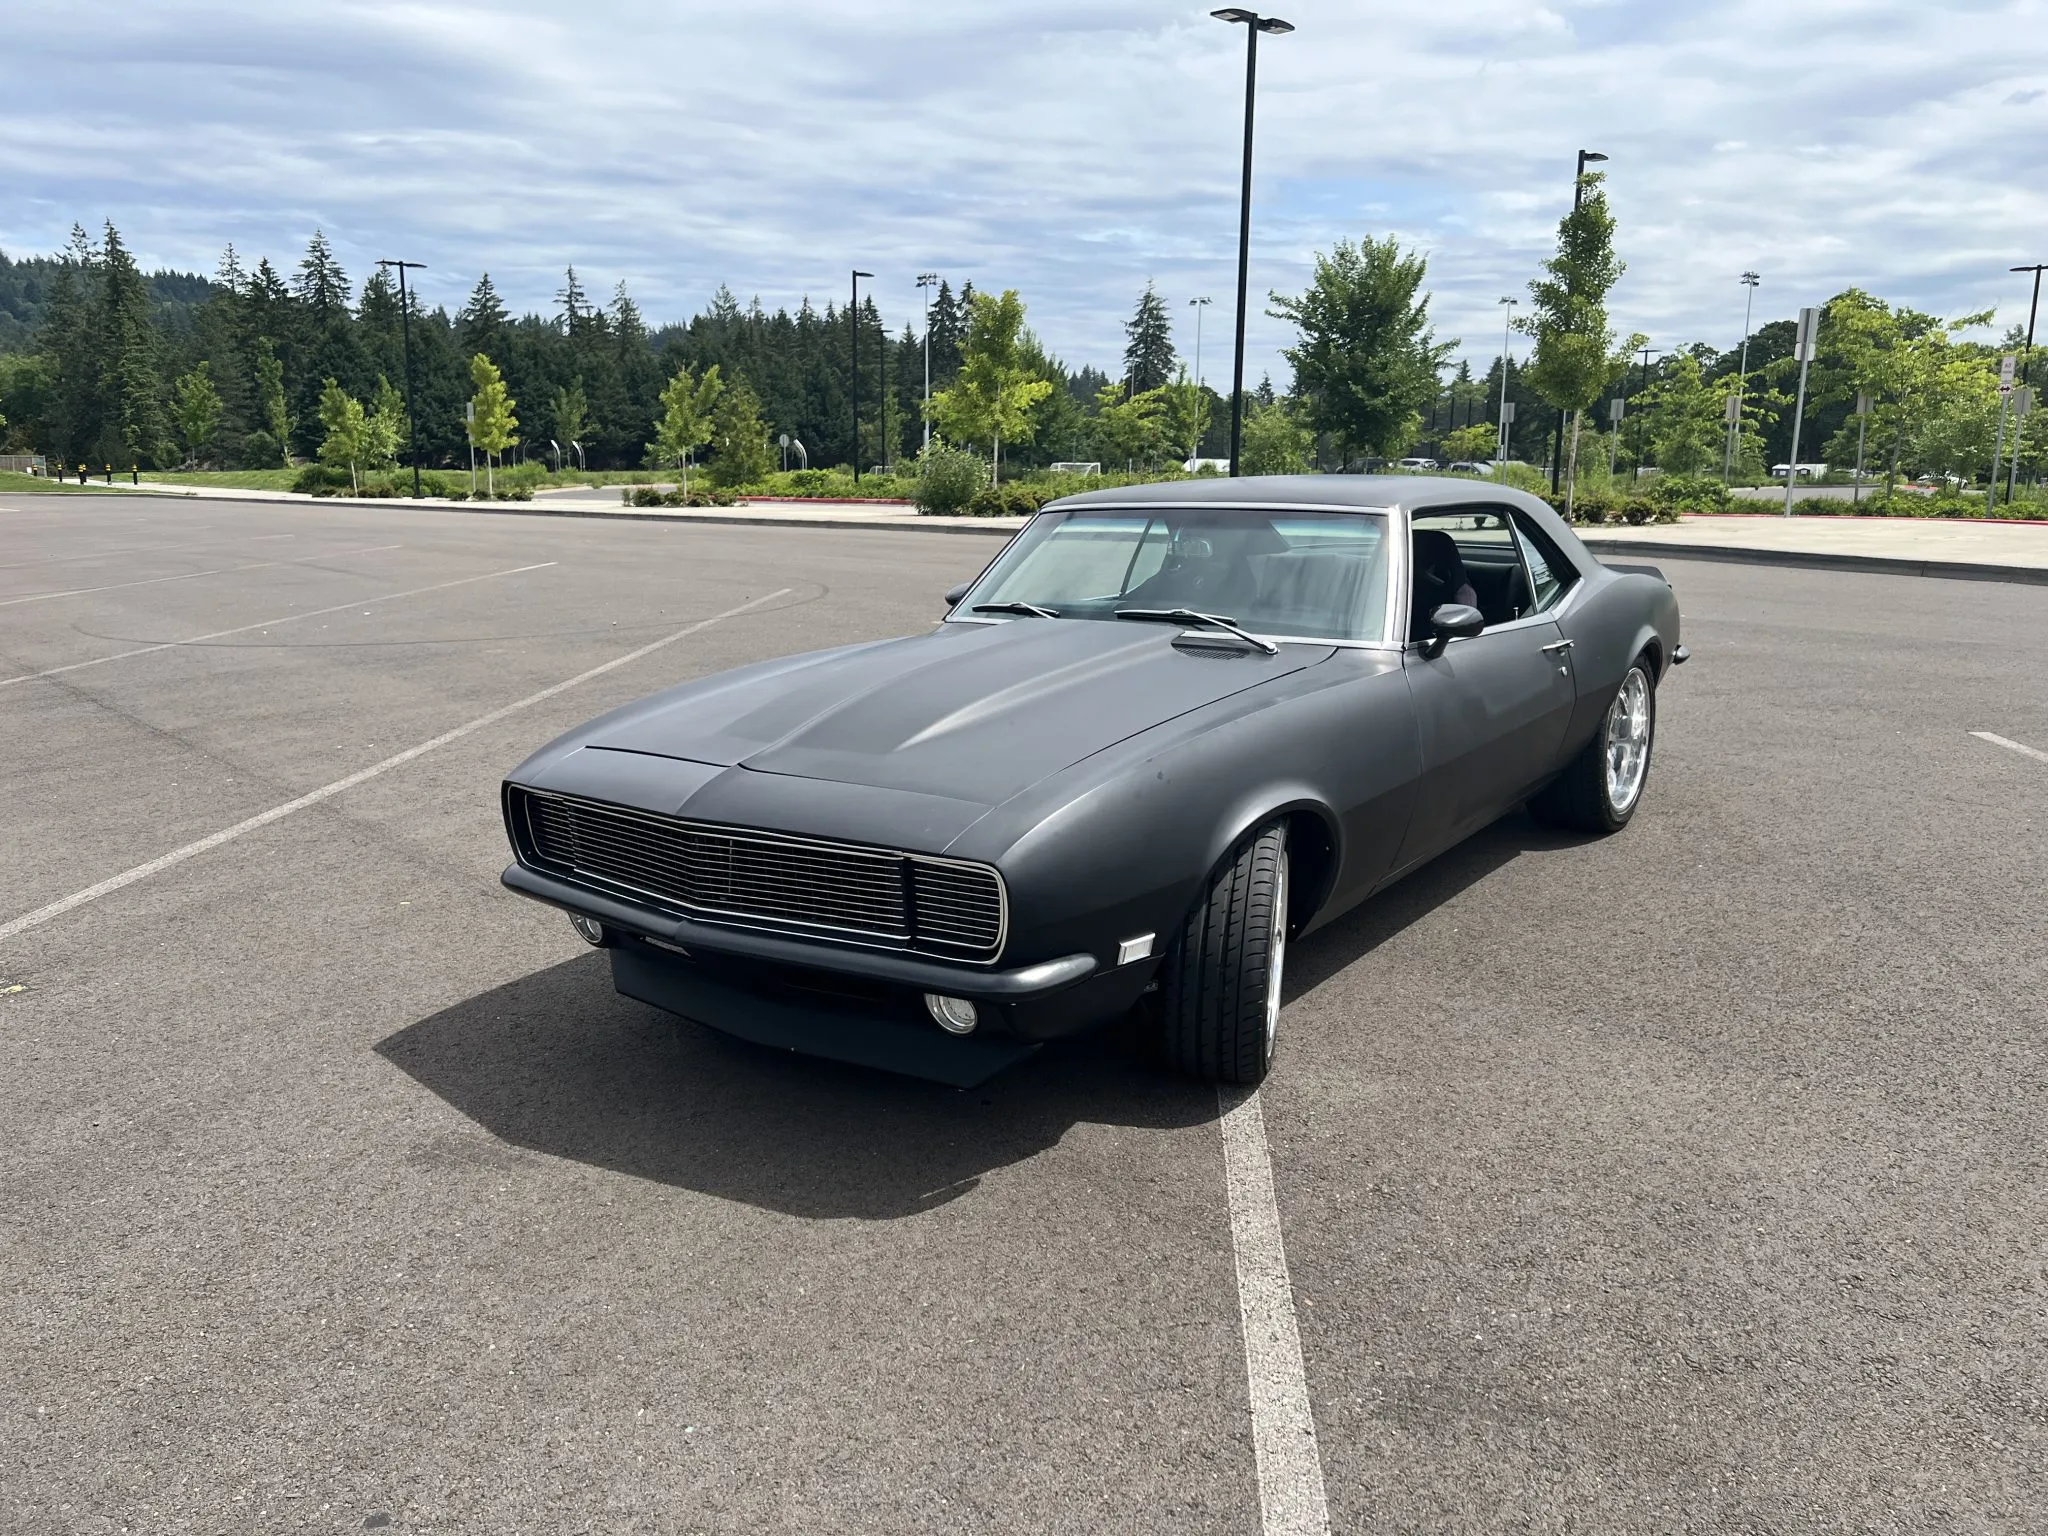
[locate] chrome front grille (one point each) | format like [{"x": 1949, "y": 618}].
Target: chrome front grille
[{"x": 733, "y": 874}]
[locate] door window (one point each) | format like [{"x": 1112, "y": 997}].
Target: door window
[{"x": 1551, "y": 575}]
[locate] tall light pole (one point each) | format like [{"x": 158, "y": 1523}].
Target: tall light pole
[
  {"x": 1646, "y": 353},
  {"x": 1749, "y": 283},
  {"x": 926, "y": 282},
  {"x": 1586, "y": 157},
  {"x": 412, "y": 426},
  {"x": 1507, "y": 325},
  {"x": 1803, "y": 348},
  {"x": 1253, "y": 24},
  {"x": 853, "y": 315},
  {"x": 2026, "y": 375},
  {"x": 1199, "y": 305}
]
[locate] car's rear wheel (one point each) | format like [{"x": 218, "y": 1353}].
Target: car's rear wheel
[
  {"x": 1601, "y": 789},
  {"x": 1220, "y": 984}
]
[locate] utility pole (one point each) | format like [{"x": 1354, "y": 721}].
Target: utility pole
[
  {"x": 2026, "y": 378},
  {"x": 1506, "y": 326},
  {"x": 412, "y": 425},
  {"x": 1253, "y": 24},
  {"x": 926, "y": 282},
  {"x": 1749, "y": 282},
  {"x": 853, "y": 315},
  {"x": 1803, "y": 349}
]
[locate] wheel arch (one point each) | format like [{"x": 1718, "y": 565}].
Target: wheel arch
[{"x": 1315, "y": 843}]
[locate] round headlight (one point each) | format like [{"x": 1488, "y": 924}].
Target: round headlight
[{"x": 955, "y": 1015}]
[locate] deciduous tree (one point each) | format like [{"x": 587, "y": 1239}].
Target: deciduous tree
[
  {"x": 991, "y": 400},
  {"x": 196, "y": 404},
  {"x": 1366, "y": 361},
  {"x": 1576, "y": 358},
  {"x": 348, "y": 431},
  {"x": 684, "y": 424},
  {"x": 493, "y": 424}
]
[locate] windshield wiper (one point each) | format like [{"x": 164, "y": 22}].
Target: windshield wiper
[
  {"x": 1189, "y": 616},
  {"x": 1029, "y": 610}
]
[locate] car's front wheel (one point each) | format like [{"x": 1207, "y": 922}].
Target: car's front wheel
[
  {"x": 1601, "y": 789},
  {"x": 1220, "y": 985}
]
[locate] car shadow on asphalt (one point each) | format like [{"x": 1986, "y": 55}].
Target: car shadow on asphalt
[
  {"x": 558, "y": 1063},
  {"x": 1313, "y": 960}
]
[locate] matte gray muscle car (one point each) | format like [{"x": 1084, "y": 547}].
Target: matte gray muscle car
[{"x": 1167, "y": 730}]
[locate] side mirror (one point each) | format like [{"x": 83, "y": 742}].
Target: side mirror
[
  {"x": 1453, "y": 621},
  {"x": 954, "y": 594}
]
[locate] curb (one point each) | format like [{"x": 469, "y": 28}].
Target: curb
[
  {"x": 1877, "y": 565},
  {"x": 985, "y": 527}
]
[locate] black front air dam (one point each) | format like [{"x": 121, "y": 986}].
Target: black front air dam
[{"x": 881, "y": 1034}]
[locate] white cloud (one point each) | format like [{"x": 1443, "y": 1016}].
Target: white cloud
[{"x": 1070, "y": 150}]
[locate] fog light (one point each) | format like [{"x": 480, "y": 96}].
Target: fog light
[
  {"x": 591, "y": 929},
  {"x": 956, "y": 1015}
]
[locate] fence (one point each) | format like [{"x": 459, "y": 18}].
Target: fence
[{"x": 24, "y": 463}]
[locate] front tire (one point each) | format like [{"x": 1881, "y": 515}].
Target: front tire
[
  {"x": 1601, "y": 789},
  {"x": 1220, "y": 984}
]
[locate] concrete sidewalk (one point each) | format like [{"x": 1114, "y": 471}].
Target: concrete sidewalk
[
  {"x": 1985, "y": 551},
  {"x": 1912, "y": 546}
]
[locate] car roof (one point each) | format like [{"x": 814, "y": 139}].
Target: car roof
[{"x": 1338, "y": 493}]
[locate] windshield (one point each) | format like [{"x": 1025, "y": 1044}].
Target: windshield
[{"x": 1307, "y": 575}]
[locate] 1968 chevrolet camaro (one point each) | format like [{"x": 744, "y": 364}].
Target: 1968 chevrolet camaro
[{"x": 1168, "y": 729}]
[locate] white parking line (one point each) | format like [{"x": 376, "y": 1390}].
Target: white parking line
[
  {"x": 141, "y": 549},
  {"x": 1291, "y": 1497},
  {"x": 2024, "y": 751},
  {"x": 128, "y": 877},
  {"x": 243, "y": 629},
  {"x": 151, "y": 581}
]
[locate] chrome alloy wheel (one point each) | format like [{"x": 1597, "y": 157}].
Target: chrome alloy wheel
[
  {"x": 1276, "y": 956},
  {"x": 1628, "y": 741}
]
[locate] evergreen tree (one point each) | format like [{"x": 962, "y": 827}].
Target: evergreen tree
[
  {"x": 1148, "y": 345},
  {"x": 480, "y": 327},
  {"x": 75, "y": 412},
  {"x": 131, "y": 359},
  {"x": 949, "y": 330}
]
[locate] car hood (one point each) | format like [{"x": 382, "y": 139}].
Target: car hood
[{"x": 974, "y": 712}]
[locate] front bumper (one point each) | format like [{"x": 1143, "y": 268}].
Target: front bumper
[{"x": 862, "y": 1006}]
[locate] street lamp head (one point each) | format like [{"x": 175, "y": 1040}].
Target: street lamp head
[
  {"x": 927, "y": 279},
  {"x": 1591, "y": 155},
  {"x": 1235, "y": 13},
  {"x": 863, "y": 274},
  {"x": 1750, "y": 279},
  {"x": 1506, "y": 300},
  {"x": 1274, "y": 25},
  {"x": 1201, "y": 301}
]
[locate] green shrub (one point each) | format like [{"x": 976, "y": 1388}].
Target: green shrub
[
  {"x": 1691, "y": 493},
  {"x": 322, "y": 480},
  {"x": 948, "y": 480},
  {"x": 817, "y": 482},
  {"x": 655, "y": 496},
  {"x": 1012, "y": 500},
  {"x": 260, "y": 450}
]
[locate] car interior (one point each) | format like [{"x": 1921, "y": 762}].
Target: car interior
[{"x": 1467, "y": 557}]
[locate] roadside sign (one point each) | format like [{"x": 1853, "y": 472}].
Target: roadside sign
[
  {"x": 1733, "y": 414},
  {"x": 785, "y": 439},
  {"x": 2023, "y": 399},
  {"x": 1507, "y": 414},
  {"x": 1863, "y": 405},
  {"x": 1615, "y": 409},
  {"x": 2008, "y": 365},
  {"x": 1809, "y": 335}
]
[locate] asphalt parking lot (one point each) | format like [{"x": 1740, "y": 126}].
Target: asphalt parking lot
[{"x": 1690, "y": 1180}]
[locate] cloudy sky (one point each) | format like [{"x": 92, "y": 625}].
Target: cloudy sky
[{"x": 1071, "y": 150}]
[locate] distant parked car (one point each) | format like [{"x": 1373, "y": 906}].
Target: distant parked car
[
  {"x": 1423, "y": 466},
  {"x": 1471, "y": 467},
  {"x": 1806, "y": 471}
]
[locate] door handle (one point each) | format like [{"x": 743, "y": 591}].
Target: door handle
[{"x": 1557, "y": 647}]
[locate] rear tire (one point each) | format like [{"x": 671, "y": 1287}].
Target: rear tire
[
  {"x": 1220, "y": 984},
  {"x": 1601, "y": 789}
]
